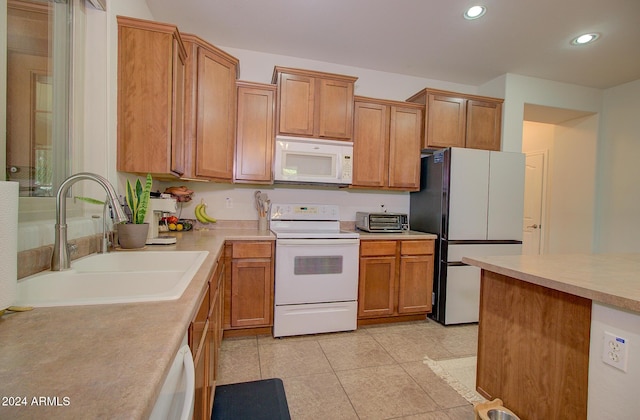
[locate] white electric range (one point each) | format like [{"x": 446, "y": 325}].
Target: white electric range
[{"x": 316, "y": 273}]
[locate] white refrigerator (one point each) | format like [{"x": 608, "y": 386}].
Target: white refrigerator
[{"x": 473, "y": 200}]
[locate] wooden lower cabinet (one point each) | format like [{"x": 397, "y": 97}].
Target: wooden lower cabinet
[
  {"x": 249, "y": 287},
  {"x": 533, "y": 348},
  {"x": 205, "y": 337},
  {"x": 199, "y": 345},
  {"x": 215, "y": 327},
  {"x": 396, "y": 279}
]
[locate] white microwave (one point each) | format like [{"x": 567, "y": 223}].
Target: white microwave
[{"x": 313, "y": 161}]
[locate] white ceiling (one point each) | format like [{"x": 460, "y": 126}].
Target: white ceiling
[{"x": 429, "y": 38}]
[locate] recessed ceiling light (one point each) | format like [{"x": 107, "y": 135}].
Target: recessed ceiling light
[
  {"x": 585, "y": 39},
  {"x": 475, "y": 12}
]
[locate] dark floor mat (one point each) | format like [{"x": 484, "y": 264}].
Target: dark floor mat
[{"x": 256, "y": 400}]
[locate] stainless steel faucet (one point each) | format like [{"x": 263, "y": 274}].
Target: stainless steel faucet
[{"x": 60, "y": 259}]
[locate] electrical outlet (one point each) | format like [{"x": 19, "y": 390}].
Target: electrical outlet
[
  {"x": 615, "y": 351},
  {"x": 229, "y": 203}
]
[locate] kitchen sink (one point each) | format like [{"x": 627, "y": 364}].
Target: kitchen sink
[{"x": 117, "y": 277}]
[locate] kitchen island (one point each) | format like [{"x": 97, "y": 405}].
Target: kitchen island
[
  {"x": 541, "y": 334},
  {"x": 102, "y": 361}
]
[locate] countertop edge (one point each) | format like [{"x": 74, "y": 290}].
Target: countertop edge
[
  {"x": 57, "y": 350},
  {"x": 595, "y": 291}
]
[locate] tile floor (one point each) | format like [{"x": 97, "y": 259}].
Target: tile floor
[{"x": 376, "y": 372}]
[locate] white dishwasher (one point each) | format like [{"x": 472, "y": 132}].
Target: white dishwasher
[{"x": 176, "y": 397}]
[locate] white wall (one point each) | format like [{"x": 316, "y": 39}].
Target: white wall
[
  {"x": 521, "y": 90},
  {"x": 613, "y": 394},
  {"x": 618, "y": 197},
  {"x": 258, "y": 67}
]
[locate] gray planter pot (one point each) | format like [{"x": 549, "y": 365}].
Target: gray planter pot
[{"x": 132, "y": 236}]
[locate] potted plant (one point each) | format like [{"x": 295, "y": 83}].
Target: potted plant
[{"x": 134, "y": 234}]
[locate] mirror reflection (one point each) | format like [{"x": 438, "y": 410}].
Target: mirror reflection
[{"x": 38, "y": 69}]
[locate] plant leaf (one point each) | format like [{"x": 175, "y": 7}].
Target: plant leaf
[
  {"x": 89, "y": 200},
  {"x": 132, "y": 200},
  {"x": 144, "y": 199}
]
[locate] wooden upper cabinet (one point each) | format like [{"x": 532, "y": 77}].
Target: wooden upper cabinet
[
  {"x": 210, "y": 111},
  {"x": 459, "y": 120},
  {"x": 255, "y": 133},
  {"x": 335, "y": 109},
  {"x": 404, "y": 147},
  {"x": 370, "y": 144},
  {"x": 314, "y": 104},
  {"x": 484, "y": 120},
  {"x": 386, "y": 144},
  {"x": 151, "y": 65},
  {"x": 297, "y": 104},
  {"x": 445, "y": 121}
]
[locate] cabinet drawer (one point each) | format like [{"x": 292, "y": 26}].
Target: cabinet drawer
[
  {"x": 251, "y": 250},
  {"x": 416, "y": 247},
  {"x": 377, "y": 248}
]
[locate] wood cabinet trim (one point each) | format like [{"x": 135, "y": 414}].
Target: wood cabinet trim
[
  {"x": 214, "y": 50},
  {"x": 420, "y": 97},
  {"x": 388, "y": 102},
  {"x": 277, "y": 70}
]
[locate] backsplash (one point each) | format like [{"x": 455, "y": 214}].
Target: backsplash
[{"x": 34, "y": 259}]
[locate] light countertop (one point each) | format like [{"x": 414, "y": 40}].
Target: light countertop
[
  {"x": 612, "y": 279},
  {"x": 102, "y": 361}
]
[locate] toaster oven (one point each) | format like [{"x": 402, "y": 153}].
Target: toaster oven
[{"x": 382, "y": 222}]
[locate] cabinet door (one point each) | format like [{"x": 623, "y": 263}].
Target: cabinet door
[
  {"x": 251, "y": 293},
  {"x": 297, "y": 104},
  {"x": 445, "y": 121},
  {"x": 199, "y": 344},
  {"x": 370, "y": 145},
  {"x": 404, "y": 148},
  {"x": 216, "y": 112},
  {"x": 201, "y": 397},
  {"x": 415, "y": 284},
  {"x": 335, "y": 105},
  {"x": 150, "y": 98},
  {"x": 216, "y": 285},
  {"x": 178, "y": 98},
  {"x": 255, "y": 131},
  {"x": 484, "y": 121},
  {"x": 376, "y": 287}
]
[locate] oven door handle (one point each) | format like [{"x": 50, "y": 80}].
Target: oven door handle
[{"x": 317, "y": 241}]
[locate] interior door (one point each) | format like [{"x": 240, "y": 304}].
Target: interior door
[
  {"x": 506, "y": 196},
  {"x": 533, "y": 198},
  {"x": 468, "y": 197}
]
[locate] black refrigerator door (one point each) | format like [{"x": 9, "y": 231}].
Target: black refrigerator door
[{"x": 425, "y": 206}]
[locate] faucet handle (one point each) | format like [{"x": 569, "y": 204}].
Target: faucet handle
[{"x": 72, "y": 249}]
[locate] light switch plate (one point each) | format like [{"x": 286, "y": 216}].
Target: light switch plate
[{"x": 615, "y": 351}]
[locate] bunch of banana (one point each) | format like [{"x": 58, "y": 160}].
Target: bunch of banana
[{"x": 201, "y": 213}]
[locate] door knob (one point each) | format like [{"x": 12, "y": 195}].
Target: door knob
[{"x": 534, "y": 226}]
